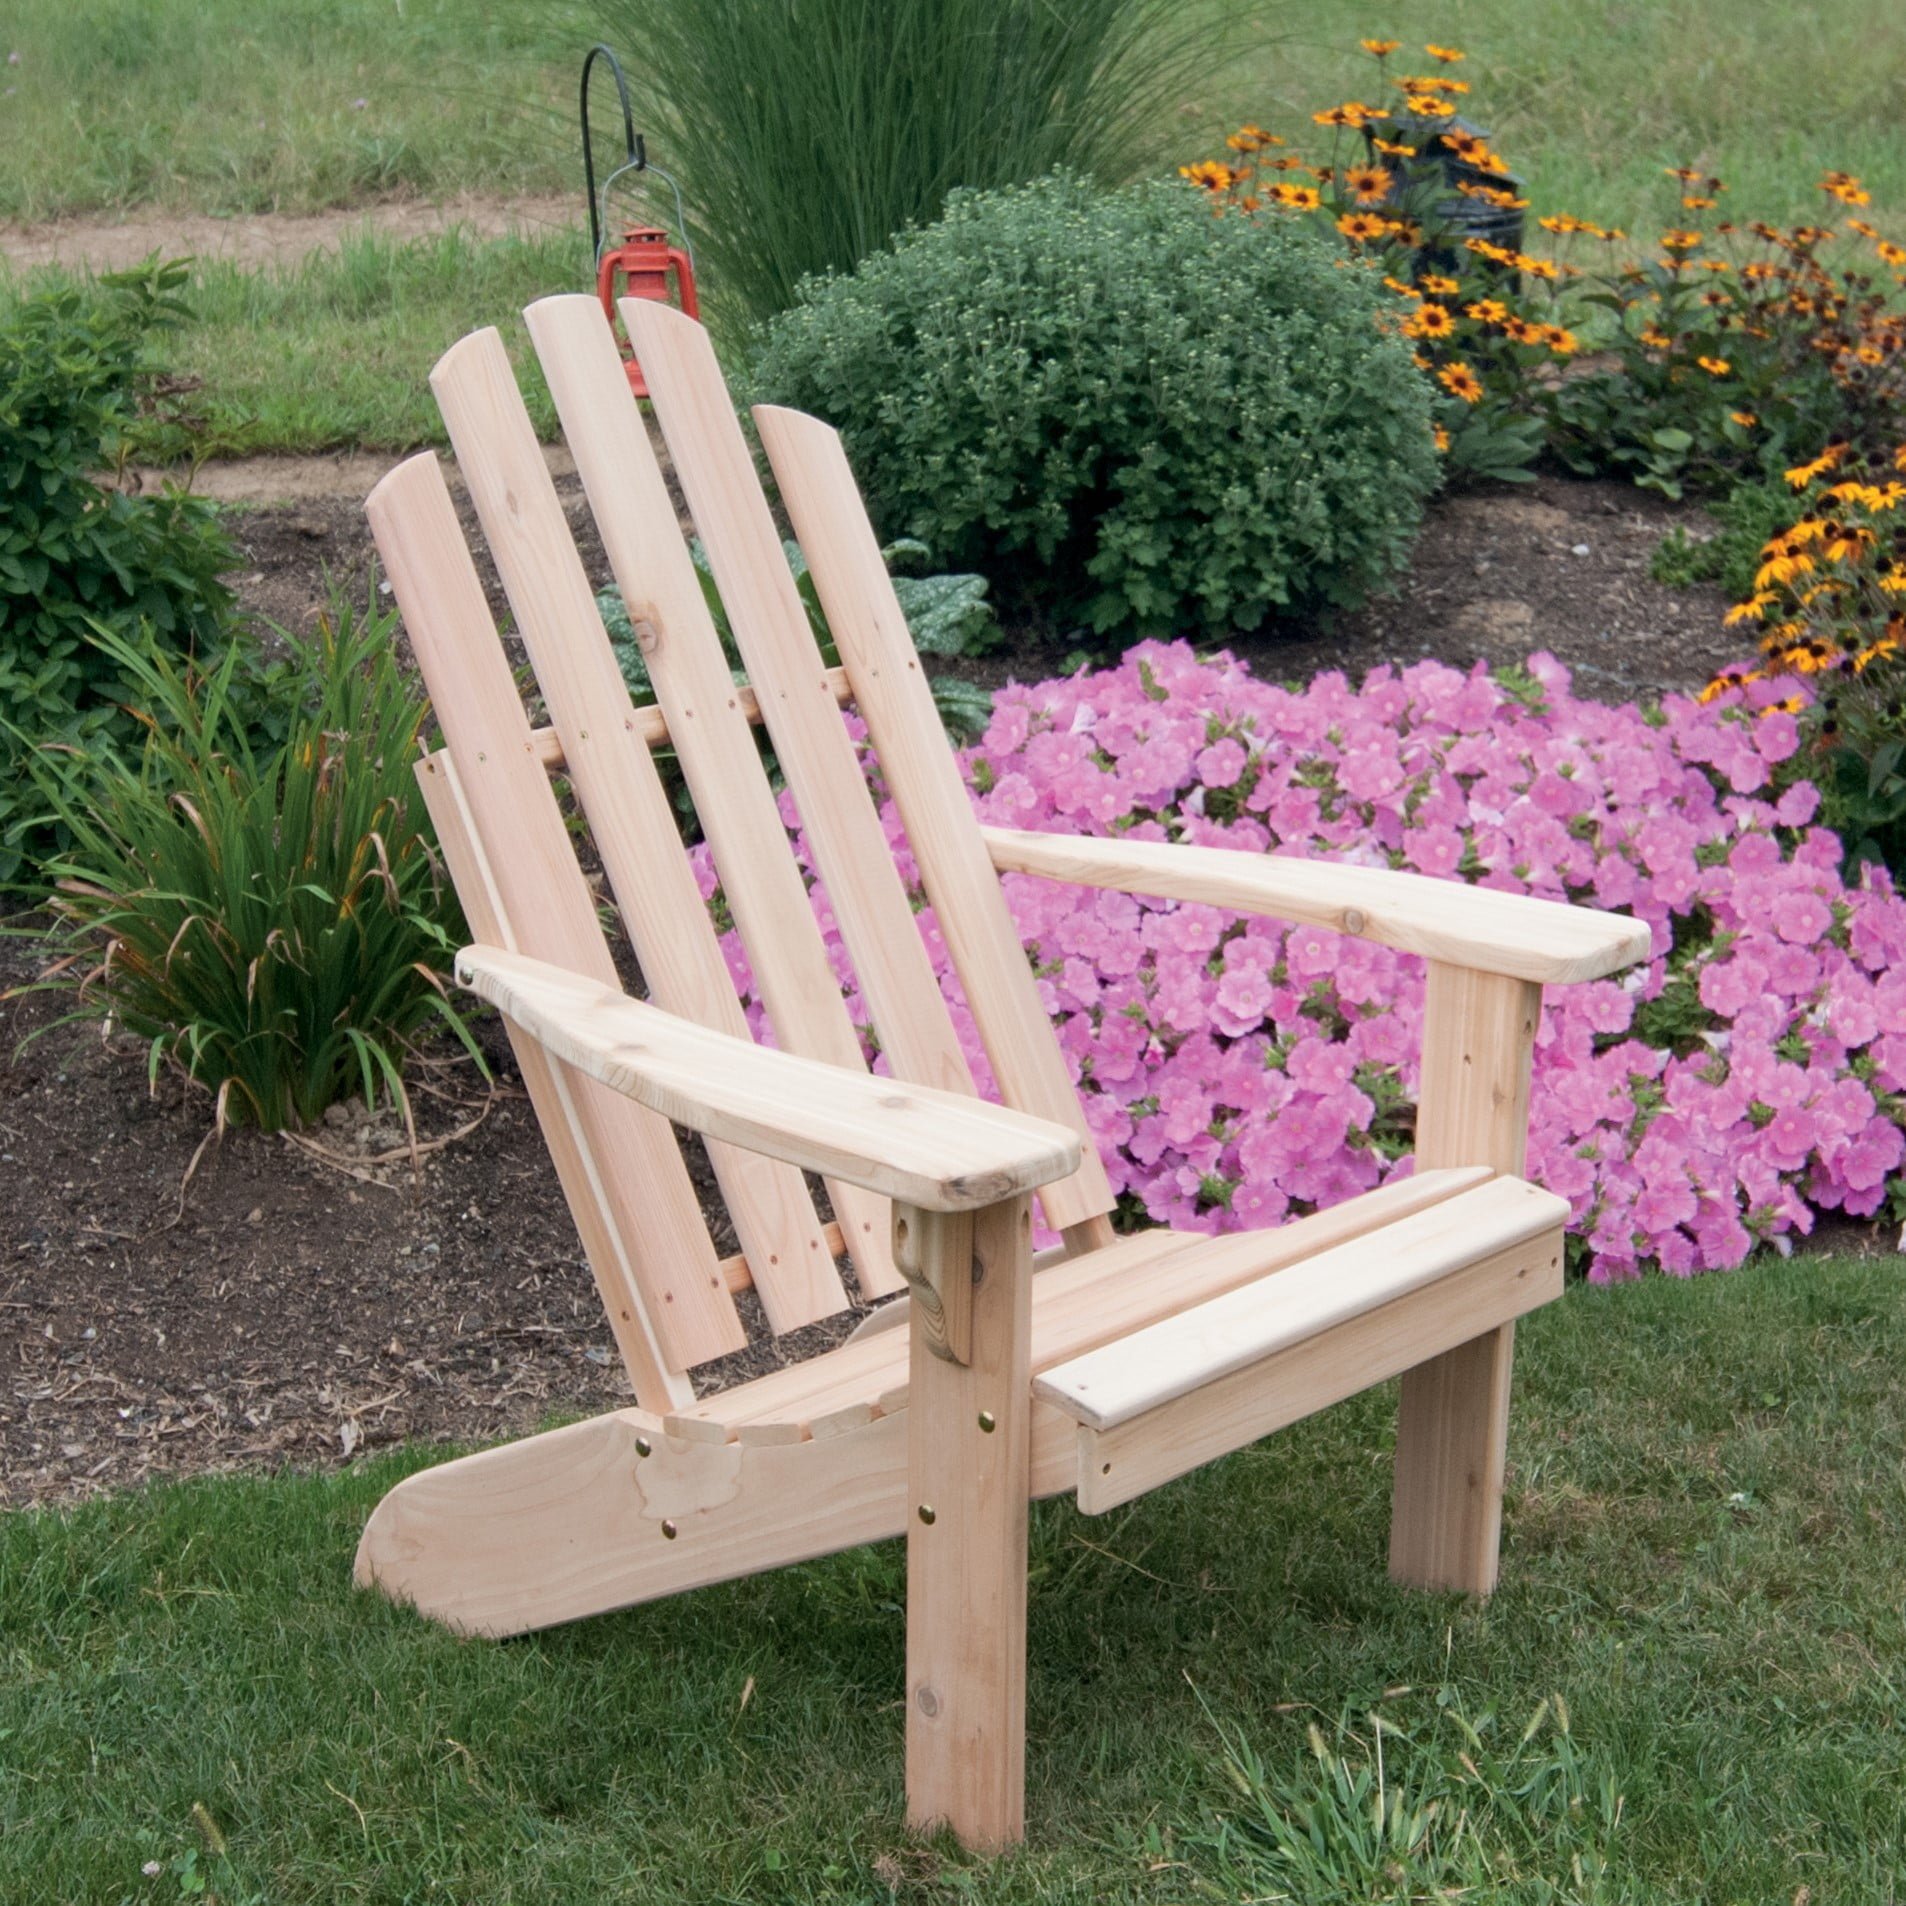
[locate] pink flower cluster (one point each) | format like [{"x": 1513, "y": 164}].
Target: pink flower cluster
[{"x": 1236, "y": 1071}]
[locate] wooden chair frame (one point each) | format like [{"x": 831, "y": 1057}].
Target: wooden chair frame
[{"x": 1127, "y": 1360}]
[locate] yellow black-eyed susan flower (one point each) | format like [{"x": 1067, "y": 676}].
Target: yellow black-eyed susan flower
[
  {"x": 1362, "y": 228},
  {"x": 1380, "y": 48},
  {"x": 1429, "y": 321},
  {"x": 1369, "y": 184},
  {"x": 1460, "y": 381}
]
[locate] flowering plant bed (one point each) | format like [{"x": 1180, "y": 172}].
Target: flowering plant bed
[{"x": 1238, "y": 1072}]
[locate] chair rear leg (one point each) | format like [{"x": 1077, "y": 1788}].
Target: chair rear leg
[{"x": 969, "y": 1440}]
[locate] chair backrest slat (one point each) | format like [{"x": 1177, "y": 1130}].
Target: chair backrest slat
[
  {"x": 893, "y": 697},
  {"x": 706, "y": 722},
  {"x": 635, "y": 1205},
  {"x": 615, "y": 777},
  {"x": 851, "y": 852}
]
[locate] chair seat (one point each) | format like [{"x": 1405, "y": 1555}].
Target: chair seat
[{"x": 1195, "y": 1303}]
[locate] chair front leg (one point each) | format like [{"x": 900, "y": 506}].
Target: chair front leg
[
  {"x": 969, "y": 1442},
  {"x": 1453, "y": 1418}
]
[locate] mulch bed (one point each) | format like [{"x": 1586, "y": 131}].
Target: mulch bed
[{"x": 272, "y": 1305}]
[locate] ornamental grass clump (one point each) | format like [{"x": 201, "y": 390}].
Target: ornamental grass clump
[
  {"x": 1237, "y": 1072},
  {"x": 272, "y": 921},
  {"x": 1128, "y": 415}
]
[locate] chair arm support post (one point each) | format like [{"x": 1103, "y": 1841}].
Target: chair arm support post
[
  {"x": 1453, "y": 1413},
  {"x": 969, "y": 1479}
]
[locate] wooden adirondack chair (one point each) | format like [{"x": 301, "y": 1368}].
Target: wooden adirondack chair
[{"x": 1127, "y": 1360}]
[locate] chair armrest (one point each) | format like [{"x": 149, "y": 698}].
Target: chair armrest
[
  {"x": 1513, "y": 935},
  {"x": 940, "y": 1151}
]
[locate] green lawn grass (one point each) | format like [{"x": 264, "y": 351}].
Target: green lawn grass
[
  {"x": 295, "y": 106},
  {"x": 1705, "y": 1545},
  {"x": 221, "y": 105}
]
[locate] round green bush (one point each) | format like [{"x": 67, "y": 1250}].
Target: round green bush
[{"x": 1130, "y": 414}]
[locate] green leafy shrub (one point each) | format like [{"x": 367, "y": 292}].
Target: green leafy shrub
[
  {"x": 75, "y": 555},
  {"x": 806, "y": 136},
  {"x": 1746, "y": 517},
  {"x": 1125, "y": 411},
  {"x": 272, "y": 921}
]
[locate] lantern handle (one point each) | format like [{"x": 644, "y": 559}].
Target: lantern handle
[{"x": 635, "y": 148}]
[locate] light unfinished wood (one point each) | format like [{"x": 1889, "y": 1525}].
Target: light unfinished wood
[
  {"x": 1141, "y": 1371},
  {"x": 917, "y": 763},
  {"x": 567, "y": 1524},
  {"x": 969, "y": 1450},
  {"x": 662, "y": 1262},
  {"x": 1447, "y": 920},
  {"x": 630, "y": 818},
  {"x": 777, "y": 645},
  {"x": 651, "y": 724},
  {"x": 1151, "y": 1353},
  {"x": 707, "y": 717},
  {"x": 942, "y": 1150},
  {"x": 1081, "y": 1303},
  {"x": 934, "y": 1251},
  {"x": 1232, "y": 1411},
  {"x": 1452, "y": 1426},
  {"x": 657, "y": 1384}
]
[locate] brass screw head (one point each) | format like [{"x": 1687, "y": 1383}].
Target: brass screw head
[
  {"x": 670, "y": 1531},
  {"x": 988, "y": 1422},
  {"x": 643, "y": 1447},
  {"x": 926, "y": 1513}
]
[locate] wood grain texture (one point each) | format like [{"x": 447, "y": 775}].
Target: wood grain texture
[
  {"x": 707, "y": 716},
  {"x": 661, "y": 1261},
  {"x": 630, "y": 816},
  {"x": 942, "y": 1150},
  {"x": 777, "y": 645},
  {"x": 1233, "y": 1410},
  {"x": 651, "y": 723},
  {"x": 1081, "y": 1303},
  {"x": 1446, "y": 920},
  {"x": 1452, "y": 1429},
  {"x": 969, "y": 1449},
  {"x": 934, "y": 1251},
  {"x": 1140, "y": 1372},
  {"x": 918, "y": 765},
  {"x": 565, "y": 1524}
]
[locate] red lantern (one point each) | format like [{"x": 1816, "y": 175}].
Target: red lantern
[{"x": 646, "y": 262}]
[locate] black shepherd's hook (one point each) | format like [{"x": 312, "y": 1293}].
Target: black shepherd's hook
[{"x": 635, "y": 149}]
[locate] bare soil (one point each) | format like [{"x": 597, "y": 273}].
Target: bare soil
[
  {"x": 275, "y": 1306},
  {"x": 268, "y": 238}
]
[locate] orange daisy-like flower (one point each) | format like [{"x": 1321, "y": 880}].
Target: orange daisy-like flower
[
  {"x": 1891, "y": 253},
  {"x": 1439, "y": 286},
  {"x": 1562, "y": 341},
  {"x": 1362, "y": 227},
  {"x": 1521, "y": 331},
  {"x": 1441, "y": 435},
  {"x": 1369, "y": 184},
  {"x": 1487, "y": 311},
  {"x": 1428, "y": 106},
  {"x": 1695, "y": 203},
  {"x": 1680, "y": 241},
  {"x": 1449, "y": 55},
  {"x": 1394, "y": 150},
  {"x": 1209, "y": 173},
  {"x": 1745, "y": 418},
  {"x": 1406, "y": 291},
  {"x": 1846, "y": 188},
  {"x": 1429, "y": 321},
  {"x": 1353, "y": 112},
  {"x": 1460, "y": 381},
  {"x": 1804, "y": 473},
  {"x": 1297, "y": 198},
  {"x": 1860, "y": 226},
  {"x": 1380, "y": 48},
  {"x": 1714, "y": 366}
]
